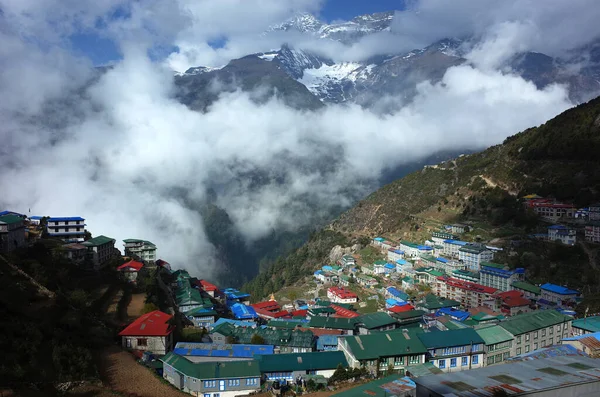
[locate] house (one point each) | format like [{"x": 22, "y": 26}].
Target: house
[
  {"x": 560, "y": 295},
  {"x": 427, "y": 260},
  {"x": 563, "y": 234},
  {"x": 455, "y": 314},
  {"x": 588, "y": 343},
  {"x": 208, "y": 288},
  {"x": 439, "y": 237},
  {"x": 321, "y": 276},
  {"x": 542, "y": 377},
  {"x": 76, "y": 252},
  {"x": 388, "y": 268},
  {"x": 202, "y": 317},
  {"x": 341, "y": 295},
  {"x": 348, "y": 260},
  {"x": 586, "y": 325},
  {"x": 411, "y": 250},
  {"x": 536, "y": 329},
  {"x": 383, "y": 243},
  {"x": 270, "y": 306},
  {"x": 378, "y": 267},
  {"x": 498, "y": 343},
  {"x": 130, "y": 270},
  {"x": 141, "y": 249},
  {"x": 432, "y": 303},
  {"x": 594, "y": 212},
  {"x": 454, "y": 350},
  {"x": 465, "y": 275},
  {"x": 288, "y": 367},
  {"x": 396, "y": 309},
  {"x": 552, "y": 210},
  {"x": 243, "y": 312},
  {"x": 395, "y": 293},
  {"x": 101, "y": 249},
  {"x": 513, "y": 302},
  {"x": 467, "y": 293},
  {"x": 375, "y": 322},
  {"x": 151, "y": 332},
  {"x": 366, "y": 281},
  {"x": 458, "y": 228},
  {"x": 12, "y": 232},
  {"x": 409, "y": 319},
  {"x": 403, "y": 266},
  {"x": 393, "y": 385},
  {"x": 327, "y": 342},
  {"x": 203, "y": 352},
  {"x": 592, "y": 232},
  {"x": 211, "y": 379},
  {"x": 472, "y": 255},
  {"x": 34, "y": 220},
  {"x": 69, "y": 229},
  {"x": 447, "y": 265},
  {"x": 344, "y": 280},
  {"x": 529, "y": 291},
  {"x": 233, "y": 296},
  {"x": 393, "y": 254},
  {"x": 188, "y": 298},
  {"x": 378, "y": 352},
  {"x": 427, "y": 275},
  {"x": 284, "y": 340},
  {"x": 451, "y": 247},
  {"x": 345, "y": 325},
  {"x": 499, "y": 276},
  {"x": 407, "y": 282}
]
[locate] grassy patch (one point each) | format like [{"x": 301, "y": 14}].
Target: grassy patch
[{"x": 370, "y": 254}]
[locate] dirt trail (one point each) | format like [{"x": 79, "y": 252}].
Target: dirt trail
[
  {"x": 134, "y": 310},
  {"x": 120, "y": 372}
]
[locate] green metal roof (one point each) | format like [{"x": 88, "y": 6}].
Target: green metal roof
[
  {"x": 208, "y": 370},
  {"x": 494, "y": 265},
  {"x": 200, "y": 312},
  {"x": 409, "y": 244},
  {"x": 134, "y": 240},
  {"x": 473, "y": 249},
  {"x": 283, "y": 324},
  {"x": 433, "y": 302},
  {"x": 10, "y": 219},
  {"x": 494, "y": 334},
  {"x": 375, "y": 320},
  {"x": 527, "y": 287},
  {"x": 385, "y": 344},
  {"x": 344, "y": 277},
  {"x": 528, "y": 322},
  {"x": 428, "y": 258},
  {"x": 456, "y": 337},
  {"x": 409, "y": 314},
  {"x": 393, "y": 385},
  {"x": 380, "y": 262},
  {"x": 591, "y": 324},
  {"x": 424, "y": 370},
  {"x": 435, "y": 273},
  {"x": 321, "y": 310},
  {"x": 301, "y": 361},
  {"x": 96, "y": 241},
  {"x": 332, "y": 322}
]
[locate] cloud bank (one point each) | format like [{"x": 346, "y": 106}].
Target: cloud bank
[{"x": 120, "y": 150}]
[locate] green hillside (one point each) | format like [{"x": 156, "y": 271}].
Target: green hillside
[{"x": 557, "y": 159}]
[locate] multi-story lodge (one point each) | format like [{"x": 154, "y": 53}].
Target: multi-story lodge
[
  {"x": 558, "y": 294},
  {"x": 454, "y": 350},
  {"x": 499, "y": 276},
  {"x": 592, "y": 232},
  {"x": 69, "y": 229},
  {"x": 551, "y": 210},
  {"x": 467, "y": 293},
  {"x": 440, "y": 237},
  {"x": 472, "y": 255},
  {"x": 452, "y": 246},
  {"x": 12, "y": 232},
  {"x": 140, "y": 249},
  {"x": 536, "y": 329},
  {"x": 563, "y": 234},
  {"x": 498, "y": 343},
  {"x": 100, "y": 250},
  {"x": 341, "y": 295}
]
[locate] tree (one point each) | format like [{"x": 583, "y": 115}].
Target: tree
[
  {"x": 257, "y": 340},
  {"x": 390, "y": 369},
  {"x": 149, "y": 307},
  {"x": 311, "y": 385},
  {"x": 231, "y": 340}
]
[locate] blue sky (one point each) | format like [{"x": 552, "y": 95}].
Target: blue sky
[{"x": 103, "y": 51}]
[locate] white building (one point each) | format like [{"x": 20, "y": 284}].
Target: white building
[
  {"x": 472, "y": 255},
  {"x": 499, "y": 276},
  {"x": 563, "y": 234},
  {"x": 69, "y": 229},
  {"x": 451, "y": 247},
  {"x": 341, "y": 295},
  {"x": 440, "y": 237},
  {"x": 140, "y": 249},
  {"x": 150, "y": 332},
  {"x": 559, "y": 294},
  {"x": 394, "y": 254}
]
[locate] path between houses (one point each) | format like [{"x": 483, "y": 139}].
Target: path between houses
[{"x": 120, "y": 372}]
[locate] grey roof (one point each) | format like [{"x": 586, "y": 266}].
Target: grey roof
[{"x": 530, "y": 375}]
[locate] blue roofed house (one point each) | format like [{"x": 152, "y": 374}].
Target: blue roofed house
[
  {"x": 327, "y": 342},
  {"x": 395, "y": 293},
  {"x": 451, "y": 247},
  {"x": 389, "y": 268},
  {"x": 563, "y": 234},
  {"x": 203, "y": 352},
  {"x": 394, "y": 254},
  {"x": 472, "y": 255},
  {"x": 562, "y": 296},
  {"x": 456, "y": 314},
  {"x": 201, "y": 316},
  {"x": 454, "y": 350},
  {"x": 233, "y": 296},
  {"x": 499, "y": 276},
  {"x": 447, "y": 265},
  {"x": 243, "y": 312},
  {"x": 403, "y": 266},
  {"x": 69, "y": 229}
]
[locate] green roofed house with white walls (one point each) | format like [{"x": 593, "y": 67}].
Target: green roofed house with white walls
[{"x": 140, "y": 249}]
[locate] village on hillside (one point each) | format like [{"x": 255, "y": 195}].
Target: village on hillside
[{"x": 402, "y": 318}]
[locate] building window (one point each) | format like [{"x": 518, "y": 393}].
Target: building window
[
  {"x": 543, "y": 332},
  {"x": 441, "y": 364},
  {"x": 210, "y": 384},
  {"x": 518, "y": 350},
  {"x": 490, "y": 360},
  {"x": 535, "y": 335},
  {"x": 526, "y": 337},
  {"x": 558, "y": 328},
  {"x": 142, "y": 342},
  {"x": 464, "y": 361},
  {"x": 128, "y": 342},
  {"x": 475, "y": 360},
  {"x": 452, "y": 362},
  {"x": 551, "y": 341},
  {"x": 535, "y": 346},
  {"x": 527, "y": 349},
  {"x": 551, "y": 330},
  {"x": 519, "y": 339}
]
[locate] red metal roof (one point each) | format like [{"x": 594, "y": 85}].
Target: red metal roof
[
  {"x": 342, "y": 293},
  {"x": 131, "y": 266},
  {"x": 150, "y": 324},
  {"x": 206, "y": 286},
  {"x": 343, "y": 312},
  {"x": 271, "y": 306},
  {"x": 467, "y": 285},
  {"x": 271, "y": 315},
  {"x": 400, "y": 309},
  {"x": 298, "y": 313},
  {"x": 513, "y": 298},
  {"x": 323, "y": 331}
]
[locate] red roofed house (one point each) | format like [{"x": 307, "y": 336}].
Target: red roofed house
[
  {"x": 270, "y": 306},
  {"x": 343, "y": 312},
  {"x": 467, "y": 293},
  {"x": 130, "y": 270},
  {"x": 400, "y": 309},
  {"x": 513, "y": 302},
  {"x": 150, "y": 332},
  {"x": 341, "y": 295},
  {"x": 209, "y": 288}
]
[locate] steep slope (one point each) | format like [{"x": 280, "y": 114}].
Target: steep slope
[{"x": 558, "y": 158}]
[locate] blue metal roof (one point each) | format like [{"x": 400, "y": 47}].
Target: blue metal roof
[
  {"x": 35, "y": 217},
  {"x": 379, "y": 239},
  {"x": 327, "y": 267},
  {"x": 216, "y": 350},
  {"x": 456, "y": 242},
  {"x": 424, "y": 247},
  {"x": 593, "y": 334},
  {"x": 398, "y": 252},
  {"x": 243, "y": 312},
  {"x": 457, "y": 314},
  {"x": 318, "y": 272},
  {"x": 397, "y": 293},
  {"x": 66, "y": 219},
  {"x": 327, "y": 340},
  {"x": 443, "y": 260},
  {"x": 232, "y": 293},
  {"x": 557, "y": 289},
  {"x": 390, "y": 266},
  {"x": 10, "y": 213},
  {"x": 557, "y": 227},
  {"x": 401, "y": 262}
]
